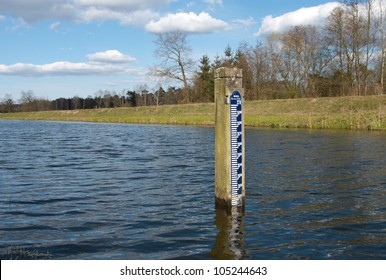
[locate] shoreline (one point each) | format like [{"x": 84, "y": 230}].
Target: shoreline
[{"x": 342, "y": 113}]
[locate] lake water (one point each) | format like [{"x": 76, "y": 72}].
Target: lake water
[{"x": 112, "y": 191}]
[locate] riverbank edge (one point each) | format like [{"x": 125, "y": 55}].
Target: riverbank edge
[{"x": 344, "y": 113}]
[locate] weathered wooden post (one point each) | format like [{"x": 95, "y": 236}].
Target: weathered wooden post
[{"x": 229, "y": 139}]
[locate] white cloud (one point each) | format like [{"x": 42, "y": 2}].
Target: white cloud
[
  {"x": 139, "y": 18},
  {"x": 82, "y": 10},
  {"x": 213, "y": 2},
  {"x": 304, "y": 16},
  {"x": 125, "y": 4},
  {"x": 2, "y": 18},
  {"x": 187, "y": 22},
  {"x": 55, "y": 25},
  {"x": 110, "y": 56},
  {"x": 245, "y": 22},
  {"x": 61, "y": 68},
  {"x": 35, "y": 10},
  {"x": 101, "y": 63},
  {"x": 99, "y": 14}
]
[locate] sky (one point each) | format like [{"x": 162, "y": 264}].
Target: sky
[{"x": 67, "y": 48}]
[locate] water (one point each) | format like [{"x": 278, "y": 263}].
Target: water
[{"x": 110, "y": 191}]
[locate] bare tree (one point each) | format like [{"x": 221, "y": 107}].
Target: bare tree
[
  {"x": 351, "y": 35},
  {"x": 242, "y": 60},
  {"x": 335, "y": 38},
  {"x": 355, "y": 28},
  {"x": 173, "y": 51},
  {"x": 299, "y": 57},
  {"x": 76, "y": 103},
  {"x": 28, "y": 101},
  {"x": 262, "y": 71},
  {"x": 382, "y": 41},
  {"x": 143, "y": 95},
  {"x": 159, "y": 94},
  {"x": 369, "y": 41},
  {"x": 7, "y": 104}
]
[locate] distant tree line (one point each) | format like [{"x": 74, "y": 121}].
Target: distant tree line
[
  {"x": 346, "y": 56},
  {"x": 29, "y": 102}
]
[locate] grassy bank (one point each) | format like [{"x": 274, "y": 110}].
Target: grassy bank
[{"x": 359, "y": 113}]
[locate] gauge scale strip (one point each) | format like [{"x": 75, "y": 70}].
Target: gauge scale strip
[{"x": 236, "y": 122}]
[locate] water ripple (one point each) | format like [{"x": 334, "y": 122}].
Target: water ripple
[{"x": 105, "y": 191}]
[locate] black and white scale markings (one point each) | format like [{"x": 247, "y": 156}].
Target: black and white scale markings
[{"x": 236, "y": 121}]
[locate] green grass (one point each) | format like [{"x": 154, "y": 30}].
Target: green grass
[
  {"x": 355, "y": 113},
  {"x": 190, "y": 114}
]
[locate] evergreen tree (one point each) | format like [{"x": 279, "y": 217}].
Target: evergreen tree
[
  {"x": 132, "y": 96},
  {"x": 204, "y": 85}
]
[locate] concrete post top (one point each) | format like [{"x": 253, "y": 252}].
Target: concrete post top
[{"x": 225, "y": 72}]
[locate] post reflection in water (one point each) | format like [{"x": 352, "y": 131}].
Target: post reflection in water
[{"x": 230, "y": 239}]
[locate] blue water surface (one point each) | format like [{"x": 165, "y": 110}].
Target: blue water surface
[{"x": 113, "y": 191}]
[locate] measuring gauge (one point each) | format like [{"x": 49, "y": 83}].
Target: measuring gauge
[{"x": 236, "y": 134}]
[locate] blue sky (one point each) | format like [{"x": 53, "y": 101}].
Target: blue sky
[{"x": 63, "y": 48}]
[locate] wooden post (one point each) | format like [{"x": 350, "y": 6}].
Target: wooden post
[{"x": 229, "y": 139}]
